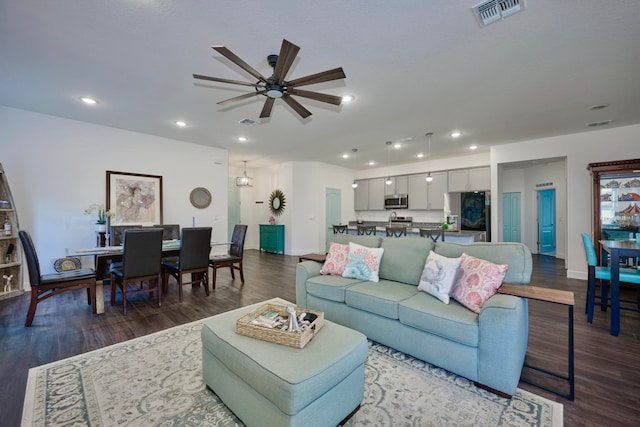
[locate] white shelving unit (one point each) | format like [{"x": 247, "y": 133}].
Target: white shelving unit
[{"x": 10, "y": 249}]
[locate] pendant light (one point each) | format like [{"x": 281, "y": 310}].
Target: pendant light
[
  {"x": 388, "y": 181},
  {"x": 429, "y": 178},
  {"x": 244, "y": 180}
]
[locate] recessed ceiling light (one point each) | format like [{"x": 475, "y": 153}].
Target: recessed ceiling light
[
  {"x": 345, "y": 156},
  {"x": 242, "y": 139},
  {"x": 397, "y": 145},
  {"x": 348, "y": 98},
  {"x": 456, "y": 134},
  {"x": 473, "y": 147},
  {"x": 420, "y": 155},
  {"x": 372, "y": 163},
  {"x": 88, "y": 101},
  {"x": 180, "y": 123}
]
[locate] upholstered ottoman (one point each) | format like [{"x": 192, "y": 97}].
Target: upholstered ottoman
[{"x": 267, "y": 384}]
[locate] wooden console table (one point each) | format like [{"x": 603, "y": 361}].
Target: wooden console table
[
  {"x": 313, "y": 257},
  {"x": 555, "y": 296}
]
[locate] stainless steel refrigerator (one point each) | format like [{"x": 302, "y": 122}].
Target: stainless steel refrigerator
[{"x": 475, "y": 212}]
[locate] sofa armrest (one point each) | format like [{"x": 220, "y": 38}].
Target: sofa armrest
[
  {"x": 304, "y": 271},
  {"x": 502, "y": 347}
]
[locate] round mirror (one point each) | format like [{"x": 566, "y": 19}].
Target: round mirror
[
  {"x": 200, "y": 197},
  {"x": 276, "y": 202}
]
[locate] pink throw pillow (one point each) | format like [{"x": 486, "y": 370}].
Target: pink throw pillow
[
  {"x": 478, "y": 280},
  {"x": 336, "y": 259}
]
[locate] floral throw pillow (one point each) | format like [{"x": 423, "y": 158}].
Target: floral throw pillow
[
  {"x": 336, "y": 259},
  {"x": 364, "y": 263},
  {"x": 439, "y": 276},
  {"x": 478, "y": 280}
]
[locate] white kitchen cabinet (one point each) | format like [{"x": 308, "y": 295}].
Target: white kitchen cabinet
[
  {"x": 361, "y": 195},
  {"x": 399, "y": 185},
  {"x": 376, "y": 194},
  {"x": 473, "y": 179},
  {"x": 425, "y": 195}
]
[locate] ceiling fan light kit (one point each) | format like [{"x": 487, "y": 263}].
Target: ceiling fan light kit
[{"x": 276, "y": 87}]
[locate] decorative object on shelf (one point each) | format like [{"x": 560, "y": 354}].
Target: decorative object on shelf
[
  {"x": 429, "y": 178},
  {"x": 103, "y": 216},
  {"x": 244, "y": 180},
  {"x": 272, "y": 220},
  {"x": 134, "y": 198},
  {"x": 277, "y": 202},
  {"x": 200, "y": 198},
  {"x": 7, "y": 283}
]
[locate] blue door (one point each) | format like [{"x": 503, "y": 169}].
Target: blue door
[
  {"x": 546, "y": 221},
  {"x": 511, "y": 226},
  {"x": 333, "y": 206}
]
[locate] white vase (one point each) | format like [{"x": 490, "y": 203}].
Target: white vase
[{"x": 101, "y": 228}]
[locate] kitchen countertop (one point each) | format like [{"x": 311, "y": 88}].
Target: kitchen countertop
[{"x": 414, "y": 228}]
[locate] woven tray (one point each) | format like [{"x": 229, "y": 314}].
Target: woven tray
[{"x": 292, "y": 339}]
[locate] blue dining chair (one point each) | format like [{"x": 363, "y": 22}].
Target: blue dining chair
[{"x": 627, "y": 275}]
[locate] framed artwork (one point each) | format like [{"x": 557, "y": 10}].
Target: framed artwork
[{"x": 134, "y": 198}]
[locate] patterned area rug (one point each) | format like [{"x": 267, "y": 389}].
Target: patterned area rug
[{"x": 156, "y": 380}]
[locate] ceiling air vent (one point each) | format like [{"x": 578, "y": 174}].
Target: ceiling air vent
[
  {"x": 248, "y": 122},
  {"x": 491, "y": 11}
]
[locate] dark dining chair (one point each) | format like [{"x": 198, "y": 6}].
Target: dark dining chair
[
  {"x": 44, "y": 286},
  {"x": 602, "y": 273},
  {"x": 195, "y": 245},
  {"x": 366, "y": 230},
  {"x": 116, "y": 233},
  {"x": 233, "y": 259},
  {"x": 340, "y": 229},
  {"x": 169, "y": 231},
  {"x": 395, "y": 231},
  {"x": 141, "y": 262},
  {"x": 434, "y": 234}
]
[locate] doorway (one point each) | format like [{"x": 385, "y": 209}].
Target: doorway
[
  {"x": 233, "y": 209},
  {"x": 333, "y": 214},
  {"x": 546, "y": 222}
]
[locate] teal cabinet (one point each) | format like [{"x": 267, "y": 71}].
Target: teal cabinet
[{"x": 272, "y": 238}]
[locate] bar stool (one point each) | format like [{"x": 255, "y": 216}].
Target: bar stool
[
  {"x": 339, "y": 229},
  {"x": 366, "y": 230}
]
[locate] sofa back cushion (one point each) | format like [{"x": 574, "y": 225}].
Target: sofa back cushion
[
  {"x": 404, "y": 258},
  {"x": 368, "y": 241},
  {"x": 516, "y": 255}
]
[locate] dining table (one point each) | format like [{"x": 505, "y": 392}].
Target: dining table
[
  {"x": 103, "y": 255},
  {"x": 612, "y": 251}
]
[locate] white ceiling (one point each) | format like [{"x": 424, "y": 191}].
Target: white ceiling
[{"x": 413, "y": 67}]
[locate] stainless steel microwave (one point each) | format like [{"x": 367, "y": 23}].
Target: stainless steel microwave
[{"x": 396, "y": 201}]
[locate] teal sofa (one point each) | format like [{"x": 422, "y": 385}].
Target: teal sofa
[{"x": 487, "y": 348}]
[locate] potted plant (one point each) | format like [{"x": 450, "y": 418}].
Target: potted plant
[{"x": 103, "y": 216}]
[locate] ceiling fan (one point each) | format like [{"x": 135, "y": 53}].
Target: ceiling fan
[{"x": 276, "y": 86}]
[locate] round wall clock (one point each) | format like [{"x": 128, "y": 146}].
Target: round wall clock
[
  {"x": 200, "y": 197},
  {"x": 276, "y": 202}
]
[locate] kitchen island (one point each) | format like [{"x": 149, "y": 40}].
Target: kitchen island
[{"x": 413, "y": 230}]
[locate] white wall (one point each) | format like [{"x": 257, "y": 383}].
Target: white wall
[
  {"x": 580, "y": 149},
  {"x": 304, "y": 185},
  {"x": 57, "y": 167}
]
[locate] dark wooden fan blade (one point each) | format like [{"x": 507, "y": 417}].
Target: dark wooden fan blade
[
  {"x": 288, "y": 53},
  {"x": 297, "y": 107},
  {"x": 216, "y": 79},
  {"x": 266, "y": 109},
  {"x": 322, "y": 97},
  {"x": 324, "y": 76},
  {"x": 239, "y": 62},
  {"x": 240, "y": 98}
]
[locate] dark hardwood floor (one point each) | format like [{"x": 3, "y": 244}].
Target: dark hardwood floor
[{"x": 607, "y": 368}]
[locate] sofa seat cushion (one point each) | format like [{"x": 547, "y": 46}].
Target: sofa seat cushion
[
  {"x": 380, "y": 298},
  {"x": 452, "y": 321},
  {"x": 329, "y": 287}
]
